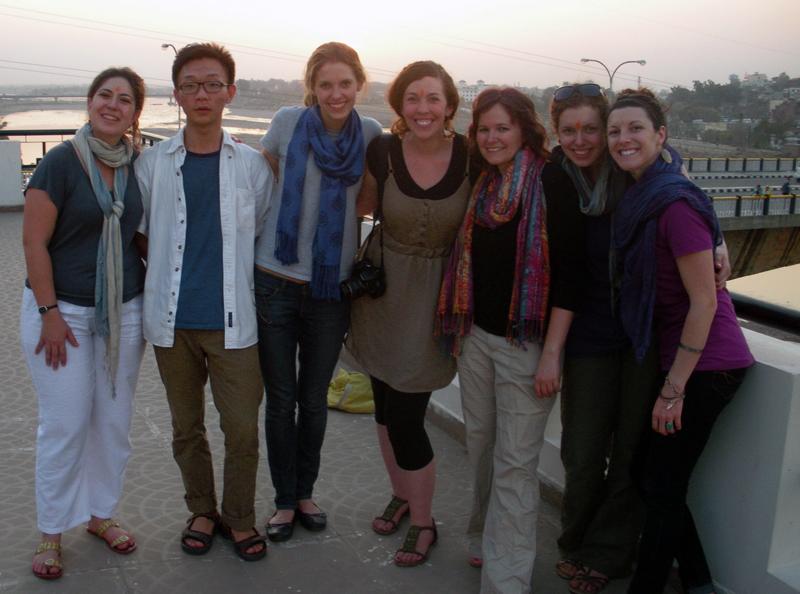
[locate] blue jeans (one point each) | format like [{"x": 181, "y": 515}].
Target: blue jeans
[
  {"x": 296, "y": 412},
  {"x": 669, "y": 531}
]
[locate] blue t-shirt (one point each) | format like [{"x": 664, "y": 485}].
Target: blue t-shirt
[{"x": 200, "y": 301}]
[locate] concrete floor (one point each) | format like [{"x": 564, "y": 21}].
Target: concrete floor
[{"x": 347, "y": 558}]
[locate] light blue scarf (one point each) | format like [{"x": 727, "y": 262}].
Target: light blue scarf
[{"x": 108, "y": 287}]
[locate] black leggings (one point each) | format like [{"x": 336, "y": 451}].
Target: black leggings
[{"x": 403, "y": 414}]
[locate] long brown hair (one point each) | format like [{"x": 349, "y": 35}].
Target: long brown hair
[{"x": 522, "y": 112}]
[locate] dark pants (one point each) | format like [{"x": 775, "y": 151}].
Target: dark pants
[
  {"x": 605, "y": 410},
  {"x": 668, "y": 461},
  {"x": 296, "y": 413},
  {"x": 403, "y": 414}
]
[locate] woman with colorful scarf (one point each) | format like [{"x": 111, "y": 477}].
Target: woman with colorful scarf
[
  {"x": 666, "y": 234},
  {"x": 304, "y": 251},
  {"x": 507, "y": 298},
  {"x": 81, "y": 318}
]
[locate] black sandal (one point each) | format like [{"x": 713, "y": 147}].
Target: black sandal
[
  {"x": 410, "y": 545},
  {"x": 240, "y": 546},
  {"x": 206, "y": 539},
  {"x": 388, "y": 516}
]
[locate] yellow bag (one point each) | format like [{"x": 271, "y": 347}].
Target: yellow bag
[{"x": 351, "y": 391}]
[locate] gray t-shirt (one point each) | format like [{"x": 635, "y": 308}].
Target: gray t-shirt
[
  {"x": 276, "y": 142},
  {"x": 73, "y": 245}
]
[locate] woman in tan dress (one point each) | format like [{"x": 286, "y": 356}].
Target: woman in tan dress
[{"x": 422, "y": 167}]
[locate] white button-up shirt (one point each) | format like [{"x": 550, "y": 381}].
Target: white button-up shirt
[{"x": 245, "y": 189}]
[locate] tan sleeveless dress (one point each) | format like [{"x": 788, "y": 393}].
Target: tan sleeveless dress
[{"x": 392, "y": 336}]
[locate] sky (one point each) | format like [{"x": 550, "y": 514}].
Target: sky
[{"x": 530, "y": 42}]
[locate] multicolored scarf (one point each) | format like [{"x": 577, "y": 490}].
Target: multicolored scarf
[
  {"x": 495, "y": 200},
  {"x": 635, "y": 232},
  {"x": 341, "y": 162}
]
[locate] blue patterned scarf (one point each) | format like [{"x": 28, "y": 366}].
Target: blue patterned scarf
[
  {"x": 341, "y": 161},
  {"x": 635, "y": 230}
]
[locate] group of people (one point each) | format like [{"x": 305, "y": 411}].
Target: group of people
[{"x": 493, "y": 257}]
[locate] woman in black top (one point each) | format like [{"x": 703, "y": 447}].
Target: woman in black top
[{"x": 505, "y": 305}]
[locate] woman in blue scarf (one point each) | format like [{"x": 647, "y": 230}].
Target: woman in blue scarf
[
  {"x": 305, "y": 250},
  {"x": 666, "y": 233}
]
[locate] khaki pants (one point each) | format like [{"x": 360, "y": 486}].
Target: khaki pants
[
  {"x": 237, "y": 390},
  {"x": 505, "y": 425}
]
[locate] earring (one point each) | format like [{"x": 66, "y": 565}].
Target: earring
[{"x": 665, "y": 154}]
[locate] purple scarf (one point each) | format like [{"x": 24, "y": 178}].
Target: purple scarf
[{"x": 635, "y": 230}]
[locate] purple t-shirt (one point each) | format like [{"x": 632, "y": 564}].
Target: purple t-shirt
[{"x": 682, "y": 231}]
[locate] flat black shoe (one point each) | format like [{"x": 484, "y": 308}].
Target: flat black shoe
[
  {"x": 280, "y": 532},
  {"x": 312, "y": 522}
]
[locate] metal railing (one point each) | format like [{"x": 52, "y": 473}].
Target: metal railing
[
  {"x": 755, "y": 206},
  {"x": 742, "y": 164}
]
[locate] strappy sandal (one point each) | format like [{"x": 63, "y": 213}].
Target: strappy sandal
[
  {"x": 410, "y": 545},
  {"x": 114, "y": 545},
  {"x": 49, "y": 545},
  {"x": 567, "y": 569},
  {"x": 240, "y": 546},
  {"x": 586, "y": 583},
  {"x": 388, "y": 516},
  {"x": 204, "y": 538}
]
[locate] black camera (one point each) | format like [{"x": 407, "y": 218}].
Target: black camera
[{"x": 366, "y": 278}]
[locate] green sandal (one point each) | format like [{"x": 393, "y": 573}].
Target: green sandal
[
  {"x": 388, "y": 516},
  {"x": 410, "y": 545}
]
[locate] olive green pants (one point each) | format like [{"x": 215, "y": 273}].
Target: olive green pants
[{"x": 198, "y": 355}]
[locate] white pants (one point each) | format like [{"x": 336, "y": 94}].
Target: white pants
[
  {"x": 82, "y": 444},
  {"x": 505, "y": 425}
]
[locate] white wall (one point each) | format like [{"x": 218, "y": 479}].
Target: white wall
[
  {"x": 745, "y": 491},
  {"x": 10, "y": 173}
]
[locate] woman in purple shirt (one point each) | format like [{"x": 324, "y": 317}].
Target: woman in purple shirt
[{"x": 666, "y": 232}]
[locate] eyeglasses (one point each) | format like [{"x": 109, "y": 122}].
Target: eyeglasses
[
  {"x": 209, "y": 86},
  {"x": 586, "y": 89}
]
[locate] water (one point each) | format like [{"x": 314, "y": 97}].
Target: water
[
  {"x": 781, "y": 286},
  {"x": 157, "y": 116}
]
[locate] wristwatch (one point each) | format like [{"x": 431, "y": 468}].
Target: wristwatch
[{"x": 45, "y": 308}]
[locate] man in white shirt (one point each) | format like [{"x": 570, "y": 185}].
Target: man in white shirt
[{"x": 205, "y": 197}]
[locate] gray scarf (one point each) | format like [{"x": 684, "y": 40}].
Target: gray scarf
[{"x": 108, "y": 287}]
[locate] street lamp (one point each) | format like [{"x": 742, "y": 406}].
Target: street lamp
[
  {"x": 610, "y": 73},
  {"x": 174, "y": 49}
]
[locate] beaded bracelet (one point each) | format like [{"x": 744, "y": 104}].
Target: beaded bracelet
[{"x": 673, "y": 387}]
